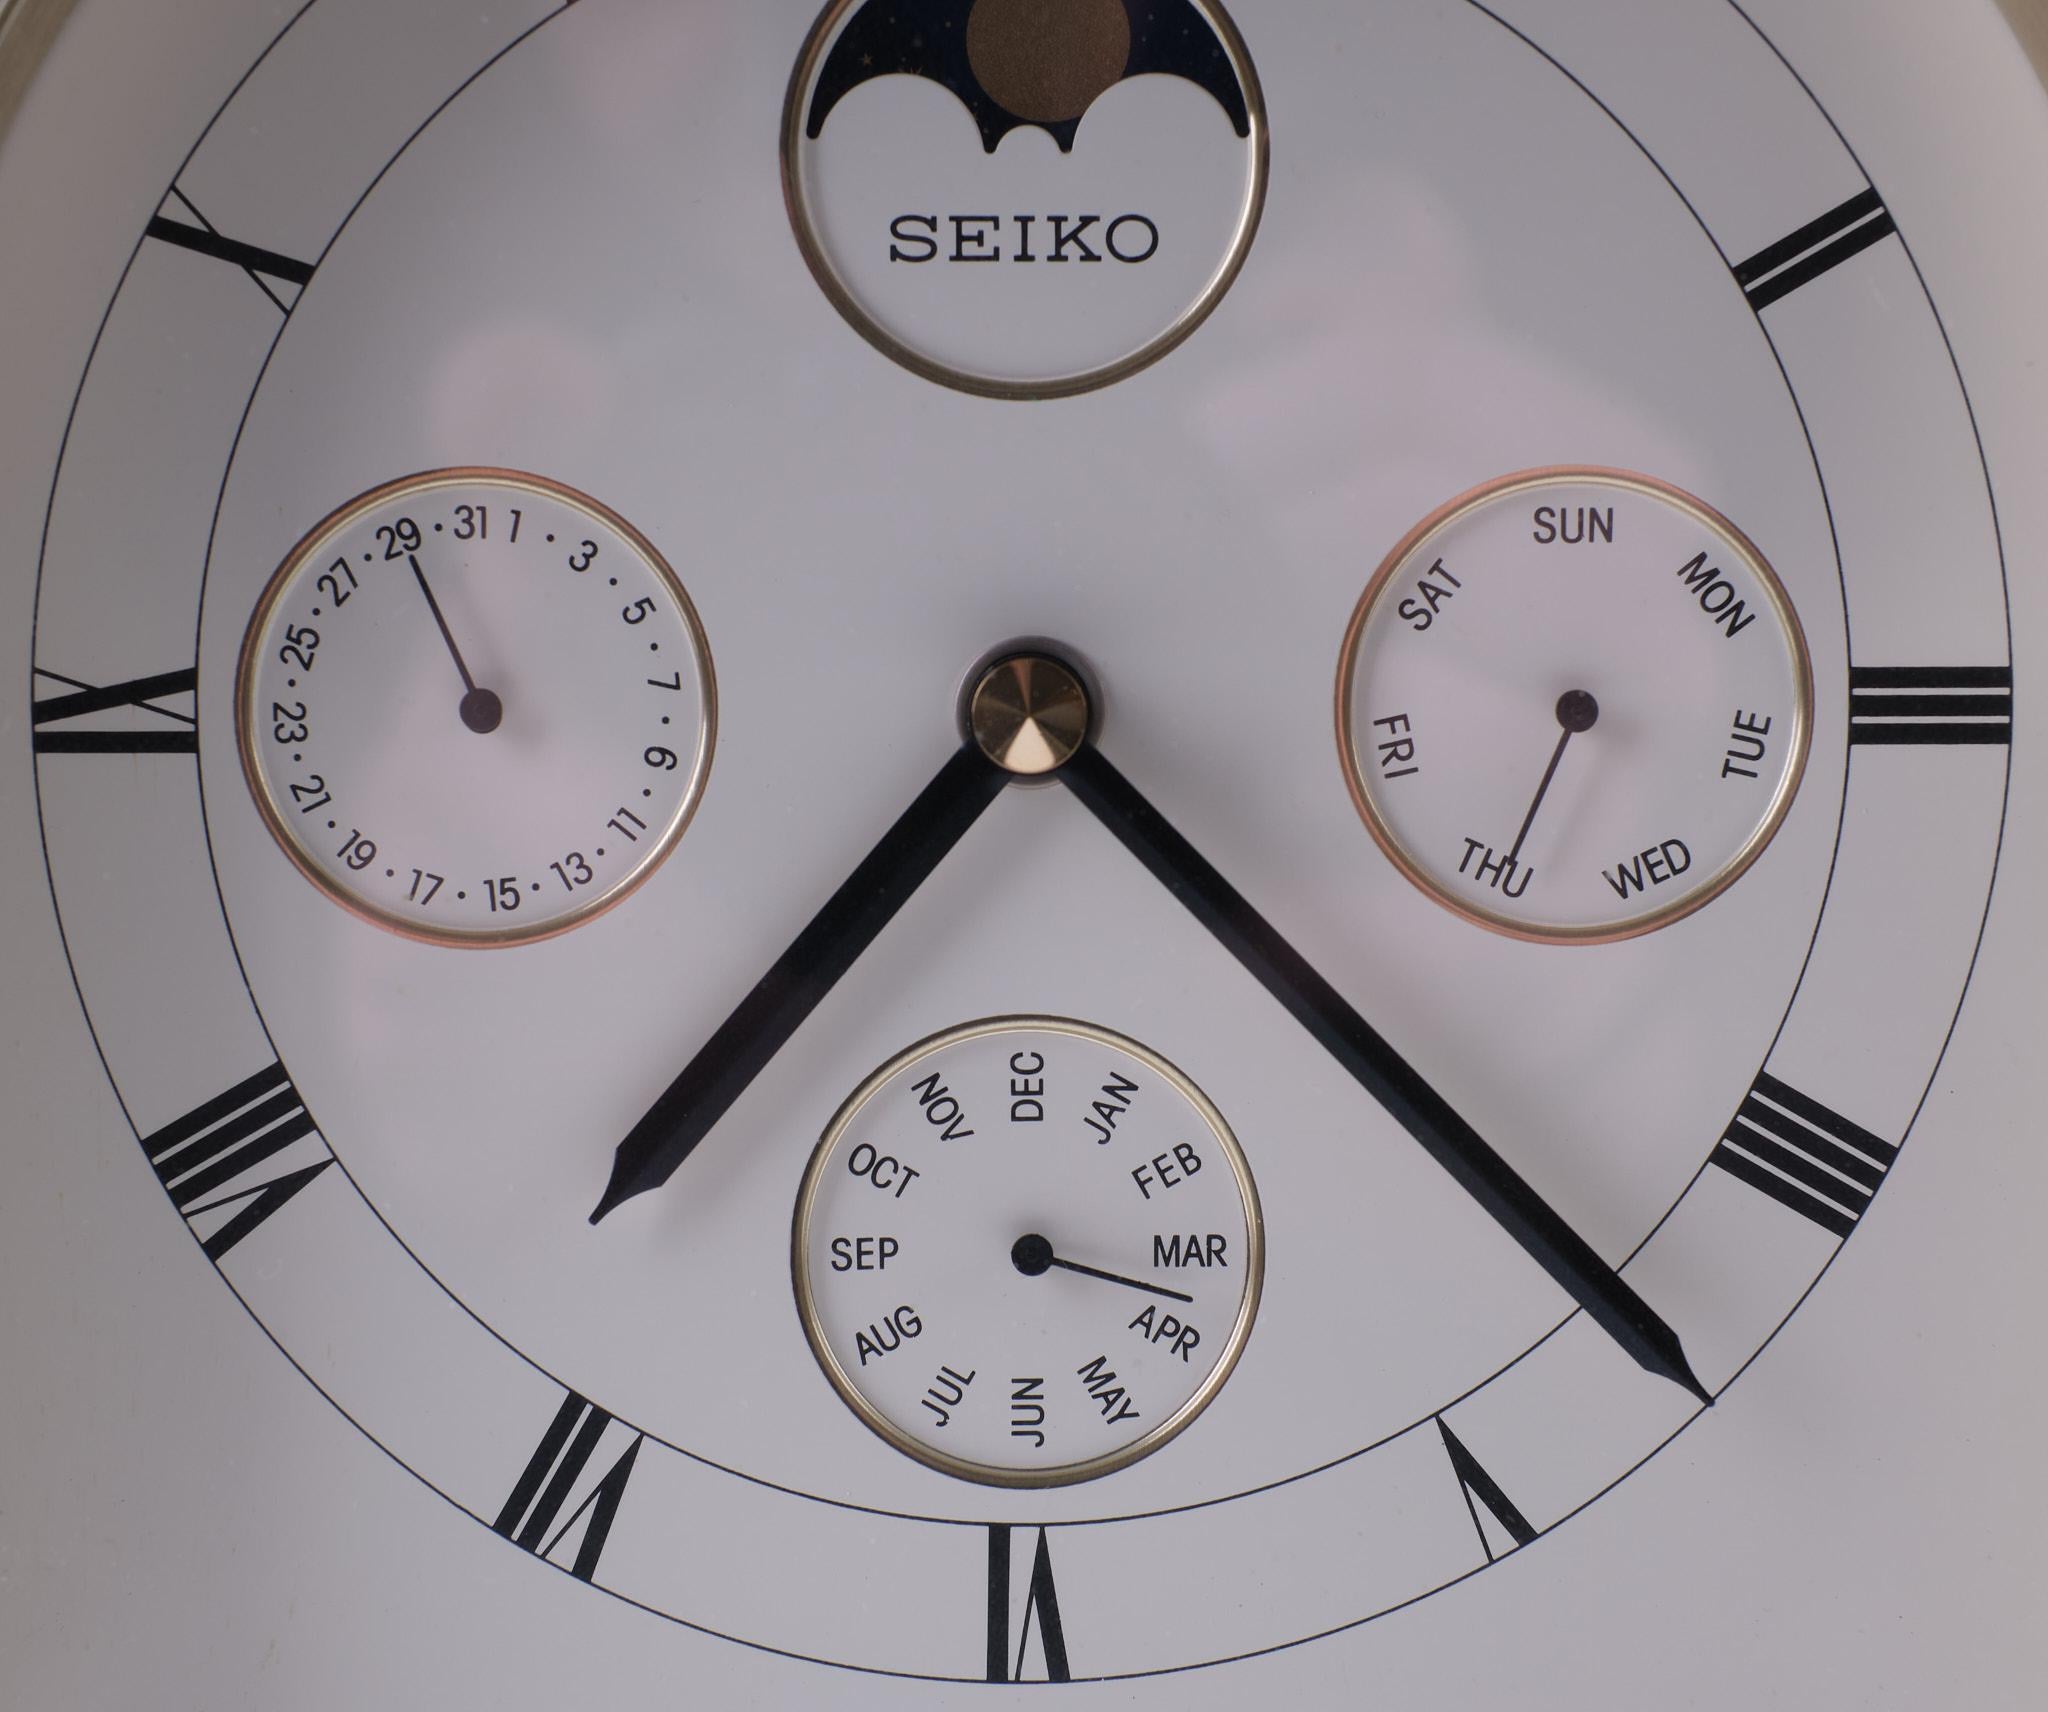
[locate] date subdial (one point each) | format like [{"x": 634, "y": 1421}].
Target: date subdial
[
  {"x": 476, "y": 707},
  {"x": 1028, "y": 1252}
]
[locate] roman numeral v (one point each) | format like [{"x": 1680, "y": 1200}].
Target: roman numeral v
[{"x": 180, "y": 224}]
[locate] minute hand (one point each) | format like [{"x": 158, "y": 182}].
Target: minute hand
[{"x": 1379, "y": 1069}]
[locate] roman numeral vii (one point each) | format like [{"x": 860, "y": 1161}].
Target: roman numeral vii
[
  {"x": 1816, "y": 248},
  {"x": 54, "y": 718},
  {"x": 539, "y": 1514},
  {"x": 1804, "y": 1156},
  {"x": 200, "y": 1158},
  {"x": 1041, "y": 1602}
]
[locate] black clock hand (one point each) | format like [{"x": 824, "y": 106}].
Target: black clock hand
[
  {"x": 481, "y": 709},
  {"x": 802, "y": 976},
  {"x": 1033, "y": 1256},
  {"x": 1379, "y": 1069},
  {"x": 1576, "y": 712}
]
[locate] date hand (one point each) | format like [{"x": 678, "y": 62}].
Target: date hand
[
  {"x": 1379, "y": 1069},
  {"x": 802, "y": 976},
  {"x": 1033, "y": 1256},
  {"x": 481, "y": 710}
]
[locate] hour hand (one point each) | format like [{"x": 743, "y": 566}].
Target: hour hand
[
  {"x": 1380, "y": 1070},
  {"x": 802, "y": 976}
]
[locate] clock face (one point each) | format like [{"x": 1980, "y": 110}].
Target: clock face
[{"x": 1094, "y": 398}]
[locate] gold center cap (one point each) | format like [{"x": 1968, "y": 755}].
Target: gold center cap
[{"x": 1029, "y": 714}]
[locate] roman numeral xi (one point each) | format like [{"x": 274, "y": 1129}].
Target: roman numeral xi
[
  {"x": 204, "y": 1159},
  {"x": 1804, "y": 1156}
]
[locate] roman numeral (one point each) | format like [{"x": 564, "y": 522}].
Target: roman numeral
[
  {"x": 533, "y": 1519},
  {"x": 1480, "y": 1488},
  {"x": 207, "y": 1149},
  {"x": 202, "y": 237},
  {"x": 1930, "y": 705},
  {"x": 1816, "y": 248},
  {"x": 52, "y": 716},
  {"x": 1804, "y": 1156},
  {"x": 1041, "y": 1601}
]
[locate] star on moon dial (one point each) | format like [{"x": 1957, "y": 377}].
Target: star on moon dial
[
  {"x": 476, "y": 707},
  {"x": 1028, "y": 1252},
  {"x": 1574, "y": 705}
]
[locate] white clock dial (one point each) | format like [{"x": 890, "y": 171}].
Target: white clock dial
[
  {"x": 1028, "y": 1252},
  {"x": 1575, "y": 705},
  {"x": 500, "y": 691},
  {"x": 1530, "y": 1194}
]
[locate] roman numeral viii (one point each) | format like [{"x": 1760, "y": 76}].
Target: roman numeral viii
[
  {"x": 1816, "y": 248},
  {"x": 1041, "y": 1602},
  {"x": 1804, "y": 1156},
  {"x": 1483, "y": 1491},
  {"x": 200, "y": 1158},
  {"x": 559, "y": 1470},
  {"x": 1918, "y": 706},
  {"x": 54, "y": 717}
]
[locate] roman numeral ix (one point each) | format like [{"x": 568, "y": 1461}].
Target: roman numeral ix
[
  {"x": 202, "y": 237},
  {"x": 1480, "y": 1488},
  {"x": 1041, "y": 1600},
  {"x": 1804, "y": 1156},
  {"x": 1816, "y": 248},
  {"x": 533, "y": 1519},
  {"x": 1946, "y": 706},
  {"x": 52, "y": 717},
  {"x": 233, "y": 1133}
]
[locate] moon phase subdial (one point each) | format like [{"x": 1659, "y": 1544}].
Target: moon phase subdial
[
  {"x": 475, "y": 707},
  {"x": 1574, "y": 705},
  {"x": 1025, "y": 198},
  {"x": 1028, "y": 1252}
]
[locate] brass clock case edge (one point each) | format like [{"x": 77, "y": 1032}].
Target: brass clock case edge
[{"x": 309, "y": 548}]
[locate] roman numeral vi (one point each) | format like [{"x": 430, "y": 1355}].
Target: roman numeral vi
[{"x": 1041, "y": 1601}]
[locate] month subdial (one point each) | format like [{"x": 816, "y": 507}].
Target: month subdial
[
  {"x": 1614, "y": 640},
  {"x": 475, "y": 707},
  {"x": 1028, "y": 1252}
]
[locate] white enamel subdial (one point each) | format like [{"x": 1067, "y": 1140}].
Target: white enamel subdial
[
  {"x": 1574, "y": 705},
  {"x": 476, "y": 707},
  {"x": 1028, "y": 1252}
]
